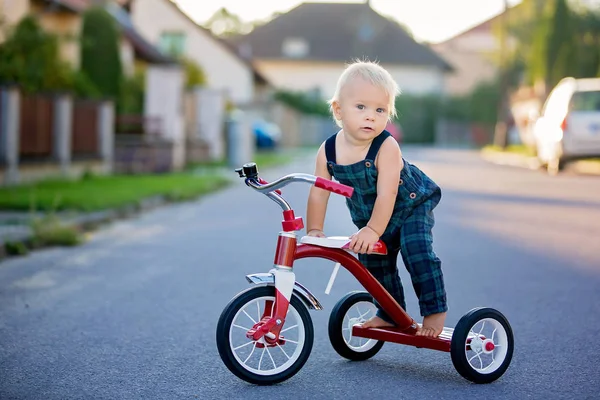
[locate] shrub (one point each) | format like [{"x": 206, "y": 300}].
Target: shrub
[
  {"x": 100, "y": 55},
  {"x": 50, "y": 231}
]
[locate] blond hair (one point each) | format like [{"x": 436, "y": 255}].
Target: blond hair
[{"x": 373, "y": 73}]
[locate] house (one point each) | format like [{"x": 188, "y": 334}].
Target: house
[
  {"x": 61, "y": 17},
  {"x": 165, "y": 25},
  {"x": 62, "y": 134},
  {"x": 306, "y": 49},
  {"x": 230, "y": 79},
  {"x": 473, "y": 55}
]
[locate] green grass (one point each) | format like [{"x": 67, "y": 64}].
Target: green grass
[
  {"x": 263, "y": 159},
  {"x": 103, "y": 192},
  {"x": 267, "y": 159},
  {"x": 513, "y": 148}
]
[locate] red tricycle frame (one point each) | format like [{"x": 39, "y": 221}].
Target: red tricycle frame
[{"x": 467, "y": 344}]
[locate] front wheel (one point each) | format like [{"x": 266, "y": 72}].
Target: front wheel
[
  {"x": 482, "y": 345},
  {"x": 354, "y": 308},
  {"x": 257, "y": 361}
]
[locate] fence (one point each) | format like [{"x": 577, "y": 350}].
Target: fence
[
  {"x": 52, "y": 128},
  {"x": 85, "y": 129},
  {"x": 37, "y": 124}
]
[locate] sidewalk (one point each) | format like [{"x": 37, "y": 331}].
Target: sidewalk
[
  {"x": 16, "y": 226},
  {"x": 585, "y": 167}
]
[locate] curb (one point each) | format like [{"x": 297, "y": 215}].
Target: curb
[
  {"x": 511, "y": 159},
  {"x": 584, "y": 167},
  {"x": 22, "y": 235}
]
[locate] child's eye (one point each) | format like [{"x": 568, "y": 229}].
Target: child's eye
[
  {"x": 360, "y": 107},
  {"x": 381, "y": 110}
]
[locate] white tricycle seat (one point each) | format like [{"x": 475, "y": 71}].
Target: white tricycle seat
[{"x": 340, "y": 242}]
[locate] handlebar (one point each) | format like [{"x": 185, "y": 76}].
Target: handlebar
[{"x": 250, "y": 172}]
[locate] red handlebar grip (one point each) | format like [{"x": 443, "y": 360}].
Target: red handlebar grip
[{"x": 334, "y": 187}]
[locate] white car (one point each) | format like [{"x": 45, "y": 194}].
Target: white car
[{"x": 569, "y": 126}]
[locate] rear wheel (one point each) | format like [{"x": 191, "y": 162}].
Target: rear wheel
[
  {"x": 482, "y": 345},
  {"x": 256, "y": 361},
  {"x": 354, "y": 308}
]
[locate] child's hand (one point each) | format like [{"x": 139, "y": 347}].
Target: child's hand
[
  {"x": 316, "y": 233},
  {"x": 363, "y": 241}
]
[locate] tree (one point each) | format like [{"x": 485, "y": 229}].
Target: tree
[
  {"x": 561, "y": 56},
  {"x": 30, "y": 58},
  {"x": 555, "y": 39},
  {"x": 194, "y": 74},
  {"x": 225, "y": 24},
  {"x": 100, "y": 56},
  {"x": 588, "y": 24}
]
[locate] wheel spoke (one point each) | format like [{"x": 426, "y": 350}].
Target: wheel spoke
[
  {"x": 271, "y": 357},
  {"x": 241, "y": 327},
  {"x": 261, "y": 357},
  {"x": 291, "y": 327},
  {"x": 291, "y": 341},
  {"x": 349, "y": 336},
  {"x": 243, "y": 345},
  {"x": 476, "y": 355},
  {"x": 252, "y": 352},
  {"x": 362, "y": 315},
  {"x": 281, "y": 348},
  {"x": 248, "y": 315}
]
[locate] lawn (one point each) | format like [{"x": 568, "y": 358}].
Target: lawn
[
  {"x": 103, "y": 192},
  {"x": 263, "y": 159}
]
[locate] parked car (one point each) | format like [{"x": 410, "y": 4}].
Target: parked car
[
  {"x": 266, "y": 134},
  {"x": 569, "y": 125}
]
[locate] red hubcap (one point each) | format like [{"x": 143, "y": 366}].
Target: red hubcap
[{"x": 489, "y": 346}]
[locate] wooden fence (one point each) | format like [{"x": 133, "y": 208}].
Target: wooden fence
[
  {"x": 36, "y": 125},
  {"x": 84, "y": 139}
]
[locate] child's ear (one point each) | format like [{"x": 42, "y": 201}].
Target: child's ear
[{"x": 335, "y": 107}]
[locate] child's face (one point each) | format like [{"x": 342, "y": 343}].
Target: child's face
[{"x": 363, "y": 109}]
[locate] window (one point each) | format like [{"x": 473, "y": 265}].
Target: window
[
  {"x": 586, "y": 101},
  {"x": 295, "y": 47},
  {"x": 172, "y": 43}
]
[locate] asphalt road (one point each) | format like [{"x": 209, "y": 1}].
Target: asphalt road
[{"x": 132, "y": 313}]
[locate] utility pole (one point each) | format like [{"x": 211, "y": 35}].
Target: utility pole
[{"x": 503, "y": 109}]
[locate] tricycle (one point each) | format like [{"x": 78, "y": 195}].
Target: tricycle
[{"x": 265, "y": 334}]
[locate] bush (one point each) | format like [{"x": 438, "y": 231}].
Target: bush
[
  {"x": 29, "y": 58},
  {"x": 50, "y": 231},
  {"x": 100, "y": 55},
  {"x": 131, "y": 97},
  {"x": 194, "y": 74},
  {"x": 303, "y": 103},
  {"x": 16, "y": 248}
]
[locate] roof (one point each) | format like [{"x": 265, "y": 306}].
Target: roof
[
  {"x": 483, "y": 27},
  {"x": 339, "y": 32},
  {"x": 228, "y": 46},
  {"x": 143, "y": 48}
]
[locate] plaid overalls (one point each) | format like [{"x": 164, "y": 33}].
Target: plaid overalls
[{"x": 408, "y": 231}]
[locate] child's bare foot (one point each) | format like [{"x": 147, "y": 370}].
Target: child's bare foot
[
  {"x": 433, "y": 325},
  {"x": 376, "y": 322}
]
